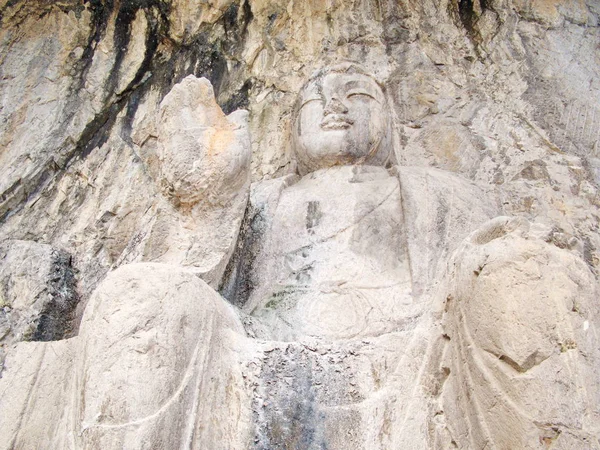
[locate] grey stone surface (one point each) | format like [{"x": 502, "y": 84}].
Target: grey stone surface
[
  {"x": 38, "y": 293},
  {"x": 114, "y": 149}
]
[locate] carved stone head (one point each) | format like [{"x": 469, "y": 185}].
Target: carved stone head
[{"x": 341, "y": 118}]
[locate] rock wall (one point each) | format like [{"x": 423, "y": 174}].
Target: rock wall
[
  {"x": 501, "y": 92},
  {"x": 502, "y": 95}
]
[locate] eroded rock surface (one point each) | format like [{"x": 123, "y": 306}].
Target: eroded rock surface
[
  {"x": 38, "y": 293},
  {"x": 124, "y": 163}
]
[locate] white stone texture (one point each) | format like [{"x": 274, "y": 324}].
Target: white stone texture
[
  {"x": 335, "y": 262},
  {"x": 140, "y": 374},
  {"x": 517, "y": 322},
  {"x": 493, "y": 111}
]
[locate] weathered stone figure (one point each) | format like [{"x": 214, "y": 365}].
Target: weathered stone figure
[
  {"x": 346, "y": 270},
  {"x": 519, "y": 315},
  {"x": 334, "y": 261}
]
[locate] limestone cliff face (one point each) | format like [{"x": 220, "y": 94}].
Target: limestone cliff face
[{"x": 503, "y": 94}]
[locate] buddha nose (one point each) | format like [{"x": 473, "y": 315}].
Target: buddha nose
[{"x": 335, "y": 106}]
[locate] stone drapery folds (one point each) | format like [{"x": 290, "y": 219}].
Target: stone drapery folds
[{"x": 414, "y": 264}]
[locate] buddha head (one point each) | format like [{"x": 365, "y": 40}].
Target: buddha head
[{"x": 341, "y": 118}]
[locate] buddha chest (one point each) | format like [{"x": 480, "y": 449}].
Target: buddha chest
[{"x": 334, "y": 263}]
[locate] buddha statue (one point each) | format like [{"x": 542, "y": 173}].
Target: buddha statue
[
  {"x": 334, "y": 262},
  {"x": 352, "y": 330}
]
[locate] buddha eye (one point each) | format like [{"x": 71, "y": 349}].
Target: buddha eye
[
  {"x": 359, "y": 94},
  {"x": 311, "y": 99}
]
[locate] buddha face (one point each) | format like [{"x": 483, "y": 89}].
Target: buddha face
[{"x": 342, "y": 119}]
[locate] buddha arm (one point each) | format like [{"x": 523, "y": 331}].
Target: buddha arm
[{"x": 203, "y": 178}]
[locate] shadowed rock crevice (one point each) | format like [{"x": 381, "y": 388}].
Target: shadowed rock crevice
[
  {"x": 100, "y": 16},
  {"x": 56, "y": 319},
  {"x": 38, "y": 293},
  {"x": 467, "y": 14},
  {"x": 238, "y": 283},
  {"x": 239, "y": 99}
]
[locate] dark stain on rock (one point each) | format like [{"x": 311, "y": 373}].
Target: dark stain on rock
[
  {"x": 588, "y": 255},
  {"x": 22, "y": 9},
  {"x": 395, "y": 19},
  {"x": 121, "y": 39},
  {"x": 313, "y": 216},
  {"x": 235, "y": 24},
  {"x": 201, "y": 57},
  {"x": 56, "y": 319},
  {"x": 238, "y": 283},
  {"x": 467, "y": 14},
  {"x": 97, "y": 131},
  {"x": 162, "y": 67},
  {"x": 158, "y": 25},
  {"x": 100, "y": 11},
  {"x": 156, "y": 14},
  {"x": 441, "y": 220},
  {"x": 296, "y": 401},
  {"x": 534, "y": 170},
  {"x": 9, "y": 4},
  {"x": 239, "y": 99},
  {"x": 288, "y": 417}
]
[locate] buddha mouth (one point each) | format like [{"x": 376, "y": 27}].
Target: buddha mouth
[{"x": 336, "y": 122}]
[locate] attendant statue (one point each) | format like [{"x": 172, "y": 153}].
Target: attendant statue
[{"x": 352, "y": 330}]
